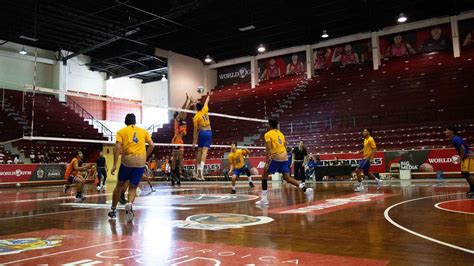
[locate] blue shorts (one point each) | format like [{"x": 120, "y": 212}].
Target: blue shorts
[
  {"x": 131, "y": 174},
  {"x": 205, "y": 139},
  {"x": 243, "y": 170},
  {"x": 278, "y": 167},
  {"x": 364, "y": 165}
]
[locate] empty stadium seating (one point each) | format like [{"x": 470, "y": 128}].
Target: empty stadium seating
[
  {"x": 51, "y": 119},
  {"x": 407, "y": 102}
]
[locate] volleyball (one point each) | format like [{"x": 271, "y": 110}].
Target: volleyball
[
  {"x": 200, "y": 89},
  {"x": 18, "y": 185},
  {"x": 456, "y": 159}
]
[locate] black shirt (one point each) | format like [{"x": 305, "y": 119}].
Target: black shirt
[
  {"x": 299, "y": 154},
  {"x": 100, "y": 161}
]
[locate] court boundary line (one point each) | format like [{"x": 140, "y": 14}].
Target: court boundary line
[
  {"x": 390, "y": 220},
  {"x": 62, "y": 252},
  {"x": 41, "y": 214},
  {"x": 56, "y": 198},
  {"x": 448, "y": 210}
]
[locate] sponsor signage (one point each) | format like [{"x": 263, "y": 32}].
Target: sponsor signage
[
  {"x": 31, "y": 172},
  {"x": 383, "y": 162},
  {"x": 233, "y": 74}
]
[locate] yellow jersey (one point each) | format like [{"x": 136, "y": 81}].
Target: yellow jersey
[
  {"x": 277, "y": 141},
  {"x": 369, "y": 145},
  {"x": 236, "y": 159},
  {"x": 133, "y": 140},
  {"x": 201, "y": 118}
]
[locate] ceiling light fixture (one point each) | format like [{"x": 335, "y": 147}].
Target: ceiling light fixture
[
  {"x": 23, "y": 51},
  {"x": 325, "y": 34},
  {"x": 208, "y": 59},
  {"x": 402, "y": 18},
  {"x": 261, "y": 48},
  {"x": 251, "y": 27}
]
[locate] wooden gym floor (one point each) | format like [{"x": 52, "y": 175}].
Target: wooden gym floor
[{"x": 409, "y": 223}]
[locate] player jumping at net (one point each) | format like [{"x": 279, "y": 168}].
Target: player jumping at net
[
  {"x": 368, "y": 152},
  {"x": 237, "y": 166},
  {"x": 467, "y": 158},
  {"x": 202, "y": 136},
  {"x": 277, "y": 161},
  {"x": 130, "y": 144},
  {"x": 177, "y": 166},
  {"x": 74, "y": 176}
]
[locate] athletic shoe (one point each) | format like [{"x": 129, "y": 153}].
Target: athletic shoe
[
  {"x": 470, "y": 194},
  {"x": 80, "y": 197},
  {"x": 122, "y": 199},
  {"x": 66, "y": 187},
  {"x": 172, "y": 182},
  {"x": 129, "y": 212},
  {"x": 262, "y": 201},
  {"x": 139, "y": 191},
  {"x": 104, "y": 187},
  {"x": 112, "y": 214},
  {"x": 153, "y": 189},
  {"x": 179, "y": 183},
  {"x": 309, "y": 194},
  {"x": 359, "y": 188},
  {"x": 251, "y": 184},
  {"x": 98, "y": 188},
  {"x": 233, "y": 191},
  {"x": 379, "y": 183}
]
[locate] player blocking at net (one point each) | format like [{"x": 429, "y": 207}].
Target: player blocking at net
[
  {"x": 180, "y": 131},
  {"x": 237, "y": 166},
  {"x": 277, "y": 162}
]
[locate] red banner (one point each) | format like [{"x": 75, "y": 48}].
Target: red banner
[
  {"x": 417, "y": 161},
  {"x": 31, "y": 172}
]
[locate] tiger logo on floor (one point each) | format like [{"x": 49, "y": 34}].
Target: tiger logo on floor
[{"x": 14, "y": 246}]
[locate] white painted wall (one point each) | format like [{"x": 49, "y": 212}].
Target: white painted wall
[
  {"x": 155, "y": 93},
  {"x": 18, "y": 70},
  {"x": 127, "y": 88},
  {"x": 80, "y": 78},
  {"x": 185, "y": 74}
]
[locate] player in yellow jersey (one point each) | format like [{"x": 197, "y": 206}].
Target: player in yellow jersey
[
  {"x": 277, "y": 161},
  {"x": 74, "y": 175},
  {"x": 202, "y": 136},
  {"x": 237, "y": 165},
  {"x": 131, "y": 144},
  {"x": 368, "y": 152}
]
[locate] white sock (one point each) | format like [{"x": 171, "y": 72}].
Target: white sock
[
  {"x": 301, "y": 185},
  {"x": 264, "y": 193},
  {"x": 233, "y": 187},
  {"x": 360, "y": 184},
  {"x": 250, "y": 179}
]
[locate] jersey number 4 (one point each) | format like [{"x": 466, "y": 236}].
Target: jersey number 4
[{"x": 135, "y": 139}]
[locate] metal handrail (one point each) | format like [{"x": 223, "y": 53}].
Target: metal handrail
[{"x": 86, "y": 115}]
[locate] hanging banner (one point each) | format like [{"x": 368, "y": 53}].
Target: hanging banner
[{"x": 233, "y": 74}]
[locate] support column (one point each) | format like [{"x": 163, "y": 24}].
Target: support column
[
  {"x": 253, "y": 72},
  {"x": 455, "y": 34},
  {"x": 309, "y": 62},
  {"x": 62, "y": 80},
  {"x": 375, "y": 49}
]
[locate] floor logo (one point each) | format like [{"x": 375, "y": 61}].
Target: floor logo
[
  {"x": 211, "y": 199},
  {"x": 221, "y": 221},
  {"x": 330, "y": 205},
  {"x": 15, "y": 246}
]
